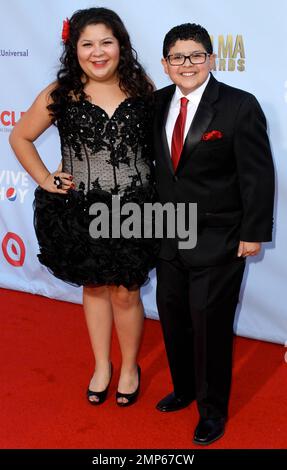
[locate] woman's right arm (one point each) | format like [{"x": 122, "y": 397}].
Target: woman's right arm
[{"x": 31, "y": 125}]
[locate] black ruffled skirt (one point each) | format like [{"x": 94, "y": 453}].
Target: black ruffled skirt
[{"x": 71, "y": 254}]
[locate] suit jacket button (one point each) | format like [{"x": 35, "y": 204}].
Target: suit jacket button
[{"x": 175, "y": 178}]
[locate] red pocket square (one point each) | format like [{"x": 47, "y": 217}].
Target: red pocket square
[{"x": 212, "y": 135}]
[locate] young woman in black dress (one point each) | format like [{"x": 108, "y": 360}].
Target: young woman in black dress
[{"x": 101, "y": 105}]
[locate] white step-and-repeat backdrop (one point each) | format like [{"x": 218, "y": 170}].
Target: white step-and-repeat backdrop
[{"x": 249, "y": 39}]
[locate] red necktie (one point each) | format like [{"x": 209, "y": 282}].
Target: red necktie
[{"x": 178, "y": 133}]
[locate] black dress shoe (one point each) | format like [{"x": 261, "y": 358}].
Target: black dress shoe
[
  {"x": 173, "y": 403},
  {"x": 130, "y": 397},
  {"x": 209, "y": 430}
]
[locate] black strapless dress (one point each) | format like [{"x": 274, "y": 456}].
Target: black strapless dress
[{"x": 109, "y": 158}]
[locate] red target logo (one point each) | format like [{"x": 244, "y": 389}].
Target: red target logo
[{"x": 14, "y": 249}]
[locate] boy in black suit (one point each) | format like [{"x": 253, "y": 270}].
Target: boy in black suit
[{"x": 212, "y": 149}]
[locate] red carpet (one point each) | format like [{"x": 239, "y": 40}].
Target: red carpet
[{"x": 46, "y": 363}]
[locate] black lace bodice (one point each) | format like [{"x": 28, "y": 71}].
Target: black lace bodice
[{"x": 110, "y": 154}]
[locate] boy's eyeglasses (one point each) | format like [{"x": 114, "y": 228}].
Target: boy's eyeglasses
[{"x": 195, "y": 58}]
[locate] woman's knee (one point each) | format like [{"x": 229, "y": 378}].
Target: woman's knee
[
  {"x": 123, "y": 298},
  {"x": 99, "y": 291}
]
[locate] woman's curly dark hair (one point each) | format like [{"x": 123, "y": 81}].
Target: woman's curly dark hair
[{"x": 132, "y": 77}]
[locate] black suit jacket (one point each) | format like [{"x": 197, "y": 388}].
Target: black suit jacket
[{"x": 231, "y": 179}]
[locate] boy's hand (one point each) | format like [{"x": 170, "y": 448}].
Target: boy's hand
[{"x": 248, "y": 249}]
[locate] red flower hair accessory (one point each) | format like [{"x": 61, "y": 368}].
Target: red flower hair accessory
[
  {"x": 66, "y": 30},
  {"x": 212, "y": 135}
]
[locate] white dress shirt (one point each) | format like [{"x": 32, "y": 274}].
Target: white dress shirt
[{"x": 194, "y": 98}]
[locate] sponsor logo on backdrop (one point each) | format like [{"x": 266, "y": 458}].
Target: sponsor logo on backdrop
[
  {"x": 13, "y": 249},
  {"x": 11, "y": 194},
  {"x": 14, "y": 186},
  {"x": 8, "y": 119},
  {"x": 14, "y": 53},
  {"x": 230, "y": 52}
]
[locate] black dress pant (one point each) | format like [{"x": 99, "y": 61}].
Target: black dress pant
[{"x": 197, "y": 307}]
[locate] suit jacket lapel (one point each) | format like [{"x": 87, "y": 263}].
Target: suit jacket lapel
[
  {"x": 162, "y": 114},
  {"x": 203, "y": 116}
]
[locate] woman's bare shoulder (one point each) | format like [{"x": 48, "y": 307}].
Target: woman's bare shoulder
[{"x": 45, "y": 94}]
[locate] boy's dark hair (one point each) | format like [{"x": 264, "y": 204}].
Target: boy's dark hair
[{"x": 184, "y": 32}]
